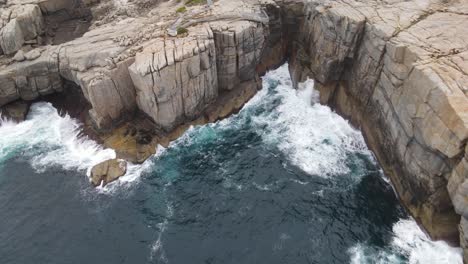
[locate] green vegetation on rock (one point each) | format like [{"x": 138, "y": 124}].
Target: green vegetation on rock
[
  {"x": 181, "y": 9},
  {"x": 195, "y": 2},
  {"x": 181, "y": 30}
]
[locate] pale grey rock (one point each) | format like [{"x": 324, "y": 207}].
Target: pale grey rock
[
  {"x": 11, "y": 37},
  {"x": 30, "y": 20},
  {"x": 108, "y": 171},
  {"x": 19, "y": 56},
  {"x": 32, "y": 55},
  {"x": 176, "y": 79},
  {"x": 239, "y": 46},
  {"x": 19, "y": 24}
]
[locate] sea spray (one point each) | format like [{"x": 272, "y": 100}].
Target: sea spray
[
  {"x": 47, "y": 139},
  {"x": 314, "y": 137},
  {"x": 408, "y": 245}
]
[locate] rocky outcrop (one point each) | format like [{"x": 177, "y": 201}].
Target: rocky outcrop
[
  {"x": 176, "y": 79},
  {"x": 108, "y": 171},
  {"x": 19, "y": 24},
  {"x": 397, "y": 69}
]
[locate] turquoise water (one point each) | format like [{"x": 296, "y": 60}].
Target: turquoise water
[{"x": 284, "y": 181}]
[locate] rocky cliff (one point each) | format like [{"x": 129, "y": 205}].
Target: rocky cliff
[{"x": 397, "y": 69}]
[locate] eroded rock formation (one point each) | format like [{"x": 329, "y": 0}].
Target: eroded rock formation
[{"x": 397, "y": 69}]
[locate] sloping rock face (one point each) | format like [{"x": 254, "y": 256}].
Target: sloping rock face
[{"x": 398, "y": 70}]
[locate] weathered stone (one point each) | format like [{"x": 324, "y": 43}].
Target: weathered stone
[
  {"x": 12, "y": 37},
  {"x": 238, "y": 51},
  {"x": 108, "y": 171},
  {"x": 19, "y": 56},
  {"x": 32, "y": 55},
  {"x": 173, "y": 83}
]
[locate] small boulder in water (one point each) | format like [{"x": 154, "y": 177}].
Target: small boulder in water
[{"x": 108, "y": 171}]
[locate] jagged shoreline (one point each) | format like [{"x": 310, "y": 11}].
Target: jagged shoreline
[{"x": 396, "y": 69}]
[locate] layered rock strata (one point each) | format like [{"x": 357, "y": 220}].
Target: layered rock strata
[{"x": 397, "y": 69}]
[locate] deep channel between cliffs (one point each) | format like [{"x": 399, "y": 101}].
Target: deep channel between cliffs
[{"x": 286, "y": 180}]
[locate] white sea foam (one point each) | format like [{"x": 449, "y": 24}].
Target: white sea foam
[
  {"x": 48, "y": 139},
  {"x": 314, "y": 137},
  {"x": 131, "y": 177},
  {"x": 409, "y": 245},
  {"x": 157, "y": 247}
]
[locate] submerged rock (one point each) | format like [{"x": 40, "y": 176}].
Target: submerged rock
[{"x": 108, "y": 171}]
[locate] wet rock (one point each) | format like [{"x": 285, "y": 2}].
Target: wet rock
[
  {"x": 131, "y": 143},
  {"x": 16, "y": 111},
  {"x": 108, "y": 171},
  {"x": 20, "y": 23}
]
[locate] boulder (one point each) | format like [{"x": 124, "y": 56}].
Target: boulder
[
  {"x": 12, "y": 37},
  {"x": 108, "y": 171},
  {"x": 19, "y": 56},
  {"x": 33, "y": 54}
]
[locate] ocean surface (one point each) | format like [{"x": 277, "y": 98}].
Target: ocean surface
[{"x": 286, "y": 180}]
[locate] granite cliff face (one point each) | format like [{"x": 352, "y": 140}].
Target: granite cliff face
[{"x": 397, "y": 69}]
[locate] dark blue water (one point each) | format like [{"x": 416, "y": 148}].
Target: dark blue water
[{"x": 284, "y": 181}]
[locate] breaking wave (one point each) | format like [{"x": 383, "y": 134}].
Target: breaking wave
[
  {"x": 314, "y": 137},
  {"x": 409, "y": 245},
  {"x": 48, "y": 139}
]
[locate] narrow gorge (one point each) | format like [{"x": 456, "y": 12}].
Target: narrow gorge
[{"x": 139, "y": 74}]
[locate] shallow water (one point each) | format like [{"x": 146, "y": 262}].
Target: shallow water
[{"x": 284, "y": 181}]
